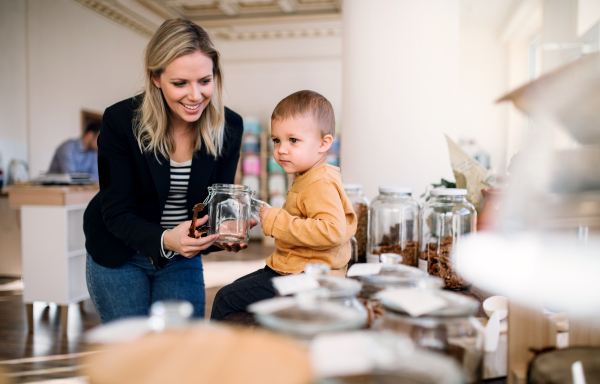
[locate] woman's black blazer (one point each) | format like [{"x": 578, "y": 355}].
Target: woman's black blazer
[{"x": 124, "y": 217}]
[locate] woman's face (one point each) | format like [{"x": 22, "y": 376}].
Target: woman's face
[{"x": 187, "y": 84}]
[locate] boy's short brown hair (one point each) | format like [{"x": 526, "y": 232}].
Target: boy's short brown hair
[{"x": 303, "y": 103}]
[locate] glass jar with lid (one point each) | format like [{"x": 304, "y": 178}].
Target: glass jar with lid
[
  {"x": 307, "y": 314},
  {"x": 379, "y": 357},
  {"x": 341, "y": 290},
  {"x": 394, "y": 225},
  {"x": 446, "y": 218},
  {"x": 451, "y": 329},
  {"x": 361, "y": 208}
]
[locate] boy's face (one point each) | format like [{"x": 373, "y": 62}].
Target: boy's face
[{"x": 298, "y": 145}]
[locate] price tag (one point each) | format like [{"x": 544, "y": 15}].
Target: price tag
[
  {"x": 364, "y": 269},
  {"x": 415, "y": 303},
  {"x": 423, "y": 264},
  {"x": 290, "y": 284}
]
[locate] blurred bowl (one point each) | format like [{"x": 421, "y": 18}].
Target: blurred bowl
[{"x": 496, "y": 303}]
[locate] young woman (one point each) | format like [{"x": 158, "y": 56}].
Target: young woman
[{"x": 157, "y": 154}]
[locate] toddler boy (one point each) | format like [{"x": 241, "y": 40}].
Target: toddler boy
[{"x": 317, "y": 220}]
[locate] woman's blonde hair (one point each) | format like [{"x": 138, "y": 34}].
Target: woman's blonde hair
[{"x": 175, "y": 38}]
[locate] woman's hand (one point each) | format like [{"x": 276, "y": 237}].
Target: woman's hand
[
  {"x": 235, "y": 247},
  {"x": 177, "y": 239}
]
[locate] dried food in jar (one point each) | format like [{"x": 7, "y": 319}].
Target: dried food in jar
[
  {"x": 440, "y": 264},
  {"x": 361, "y": 209},
  {"x": 391, "y": 244}
]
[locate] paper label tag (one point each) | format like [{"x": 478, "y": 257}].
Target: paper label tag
[
  {"x": 415, "y": 303},
  {"x": 364, "y": 269},
  {"x": 290, "y": 284},
  {"x": 341, "y": 354},
  {"x": 423, "y": 264},
  {"x": 371, "y": 258}
]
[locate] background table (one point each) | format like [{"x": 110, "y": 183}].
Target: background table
[{"x": 53, "y": 244}]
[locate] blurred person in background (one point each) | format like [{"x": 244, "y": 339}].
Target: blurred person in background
[{"x": 78, "y": 155}]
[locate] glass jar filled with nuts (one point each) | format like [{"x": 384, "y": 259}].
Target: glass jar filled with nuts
[
  {"x": 446, "y": 218},
  {"x": 361, "y": 208},
  {"x": 394, "y": 225}
]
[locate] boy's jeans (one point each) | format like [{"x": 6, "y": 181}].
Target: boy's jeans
[
  {"x": 246, "y": 290},
  {"x": 130, "y": 289}
]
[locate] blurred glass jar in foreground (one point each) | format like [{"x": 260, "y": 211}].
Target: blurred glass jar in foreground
[
  {"x": 451, "y": 329},
  {"x": 394, "y": 225},
  {"x": 341, "y": 290},
  {"x": 378, "y": 358},
  {"x": 361, "y": 208},
  {"x": 307, "y": 314},
  {"x": 395, "y": 275},
  {"x": 446, "y": 218}
]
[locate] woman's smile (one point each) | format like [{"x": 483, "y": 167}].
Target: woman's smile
[{"x": 191, "y": 108}]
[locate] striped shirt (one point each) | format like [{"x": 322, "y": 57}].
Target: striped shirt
[{"x": 175, "y": 211}]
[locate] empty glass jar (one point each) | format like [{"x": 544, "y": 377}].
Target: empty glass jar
[
  {"x": 361, "y": 208},
  {"x": 229, "y": 212},
  {"x": 446, "y": 218},
  {"x": 394, "y": 225}
]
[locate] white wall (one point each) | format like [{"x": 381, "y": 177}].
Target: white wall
[
  {"x": 259, "y": 73},
  {"x": 482, "y": 80},
  {"x": 400, "y": 89},
  {"x": 13, "y": 112},
  {"x": 58, "y": 58},
  {"x": 588, "y": 14},
  {"x": 77, "y": 60}
]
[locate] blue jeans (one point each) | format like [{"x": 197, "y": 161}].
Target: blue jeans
[{"x": 130, "y": 289}]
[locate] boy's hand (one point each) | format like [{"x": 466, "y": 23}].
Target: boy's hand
[{"x": 264, "y": 211}]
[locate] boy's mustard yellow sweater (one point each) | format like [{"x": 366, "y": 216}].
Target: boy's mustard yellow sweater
[{"x": 315, "y": 224}]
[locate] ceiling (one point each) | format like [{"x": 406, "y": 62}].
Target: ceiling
[
  {"x": 259, "y": 19},
  {"x": 144, "y": 16}
]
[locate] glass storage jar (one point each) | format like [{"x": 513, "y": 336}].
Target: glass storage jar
[
  {"x": 394, "y": 225},
  {"x": 451, "y": 330},
  {"x": 361, "y": 208},
  {"x": 382, "y": 357},
  {"x": 341, "y": 290},
  {"x": 306, "y": 314},
  {"x": 446, "y": 218},
  {"x": 229, "y": 212}
]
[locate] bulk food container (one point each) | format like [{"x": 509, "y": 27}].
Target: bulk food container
[
  {"x": 379, "y": 358},
  {"x": 361, "y": 208},
  {"x": 445, "y": 220},
  {"x": 451, "y": 329},
  {"x": 307, "y": 314},
  {"x": 394, "y": 225}
]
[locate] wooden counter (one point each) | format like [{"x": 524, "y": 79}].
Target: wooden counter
[{"x": 26, "y": 194}]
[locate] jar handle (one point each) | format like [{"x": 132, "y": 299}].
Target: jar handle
[{"x": 256, "y": 206}]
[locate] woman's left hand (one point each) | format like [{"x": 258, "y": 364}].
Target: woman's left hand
[{"x": 235, "y": 247}]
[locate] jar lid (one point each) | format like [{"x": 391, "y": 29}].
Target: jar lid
[
  {"x": 339, "y": 287},
  {"x": 353, "y": 187},
  {"x": 457, "y": 305},
  {"x": 448, "y": 192},
  {"x": 306, "y": 318},
  {"x": 393, "y": 189}
]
